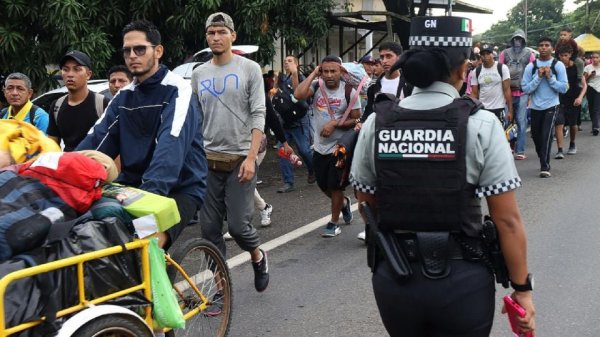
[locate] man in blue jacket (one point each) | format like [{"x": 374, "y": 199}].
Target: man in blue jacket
[
  {"x": 155, "y": 125},
  {"x": 544, "y": 79}
]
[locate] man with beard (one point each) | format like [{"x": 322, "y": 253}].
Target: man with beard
[
  {"x": 332, "y": 120},
  {"x": 155, "y": 126},
  {"x": 72, "y": 115}
]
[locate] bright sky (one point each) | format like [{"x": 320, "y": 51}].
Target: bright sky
[{"x": 482, "y": 22}]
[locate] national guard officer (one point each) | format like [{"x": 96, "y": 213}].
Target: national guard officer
[{"x": 423, "y": 165}]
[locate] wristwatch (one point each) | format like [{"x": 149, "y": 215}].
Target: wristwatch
[{"x": 528, "y": 286}]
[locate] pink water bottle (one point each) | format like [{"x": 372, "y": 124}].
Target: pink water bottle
[{"x": 292, "y": 158}]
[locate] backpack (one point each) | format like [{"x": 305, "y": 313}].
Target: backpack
[
  {"x": 32, "y": 111},
  {"x": 347, "y": 92},
  {"x": 286, "y": 104},
  {"x": 516, "y": 66},
  {"x": 552, "y": 66},
  {"x": 98, "y": 99},
  {"x": 498, "y": 67}
]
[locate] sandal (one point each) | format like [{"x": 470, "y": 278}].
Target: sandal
[{"x": 520, "y": 157}]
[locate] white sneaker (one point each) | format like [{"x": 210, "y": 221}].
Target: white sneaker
[
  {"x": 362, "y": 236},
  {"x": 227, "y": 236},
  {"x": 265, "y": 215}
]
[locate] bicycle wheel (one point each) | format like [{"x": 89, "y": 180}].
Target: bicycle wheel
[
  {"x": 114, "y": 326},
  {"x": 205, "y": 265}
]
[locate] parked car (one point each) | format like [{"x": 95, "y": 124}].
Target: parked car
[
  {"x": 185, "y": 70},
  {"x": 45, "y": 100}
]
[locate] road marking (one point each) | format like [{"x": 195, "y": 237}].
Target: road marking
[{"x": 267, "y": 246}]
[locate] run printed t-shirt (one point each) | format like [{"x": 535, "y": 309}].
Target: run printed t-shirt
[
  {"x": 74, "y": 122},
  {"x": 491, "y": 93},
  {"x": 321, "y": 116}
]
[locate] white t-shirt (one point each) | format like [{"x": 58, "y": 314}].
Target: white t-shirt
[
  {"x": 390, "y": 86},
  {"x": 593, "y": 82},
  {"x": 321, "y": 116},
  {"x": 491, "y": 93}
]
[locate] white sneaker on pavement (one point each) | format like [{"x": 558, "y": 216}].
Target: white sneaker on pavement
[
  {"x": 362, "y": 236},
  {"x": 227, "y": 236},
  {"x": 265, "y": 215}
]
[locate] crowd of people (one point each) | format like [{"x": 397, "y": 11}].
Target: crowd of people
[{"x": 202, "y": 144}]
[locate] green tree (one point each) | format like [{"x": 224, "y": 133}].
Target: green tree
[
  {"x": 544, "y": 18},
  {"x": 586, "y": 17},
  {"x": 35, "y": 34}
]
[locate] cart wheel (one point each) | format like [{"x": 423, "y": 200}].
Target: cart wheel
[
  {"x": 205, "y": 265},
  {"x": 114, "y": 326}
]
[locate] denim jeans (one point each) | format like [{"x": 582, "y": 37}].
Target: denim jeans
[
  {"x": 301, "y": 136},
  {"x": 520, "y": 111}
]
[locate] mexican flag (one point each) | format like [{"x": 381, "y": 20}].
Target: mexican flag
[{"x": 466, "y": 25}]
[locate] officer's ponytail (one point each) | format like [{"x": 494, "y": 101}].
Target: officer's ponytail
[{"x": 422, "y": 67}]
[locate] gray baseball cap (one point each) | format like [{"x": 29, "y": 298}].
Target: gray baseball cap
[{"x": 220, "y": 19}]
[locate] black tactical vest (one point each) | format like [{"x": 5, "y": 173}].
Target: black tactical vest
[{"x": 421, "y": 169}]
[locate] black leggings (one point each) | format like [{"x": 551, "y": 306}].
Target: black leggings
[
  {"x": 461, "y": 304},
  {"x": 187, "y": 207}
]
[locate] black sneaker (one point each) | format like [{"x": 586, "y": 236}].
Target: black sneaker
[
  {"x": 261, "y": 273},
  {"x": 216, "y": 305}
]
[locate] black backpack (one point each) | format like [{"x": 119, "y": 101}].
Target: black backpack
[
  {"x": 478, "y": 71},
  {"x": 286, "y": 105},
  {"x": 552, "y": 66}
]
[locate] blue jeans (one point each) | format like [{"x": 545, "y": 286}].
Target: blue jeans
[
  {"x": 301, "y": 136},
  {"x": 520, "y": 111}
]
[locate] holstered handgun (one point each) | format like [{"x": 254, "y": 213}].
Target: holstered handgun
[
  {"x": 389, "y": 247},
  {"x": 491, "y": 246}
]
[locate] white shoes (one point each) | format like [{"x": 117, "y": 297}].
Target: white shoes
[
  {"x": 362, "y": 236},
  {"x": 265, "y": 215}
]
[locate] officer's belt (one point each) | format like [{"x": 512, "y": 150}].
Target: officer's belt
[{"x": 408, "y": 242}]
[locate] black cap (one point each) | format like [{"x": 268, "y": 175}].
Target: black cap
[
  {"x": 440, "y": 31},
  {"x": 80, "y": 57},
  {"x": 486, "y": 47}
]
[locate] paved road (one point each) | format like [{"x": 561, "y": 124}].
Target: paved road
[{"x": 321, "y": 287}]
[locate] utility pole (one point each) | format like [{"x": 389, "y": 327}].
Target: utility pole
[{"x": 525, "y": 14}]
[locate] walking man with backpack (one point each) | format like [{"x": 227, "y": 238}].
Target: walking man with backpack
[
  {"x": 570, "y": 102},
  {"x": 544, "y": 79},
  {"x": 296, "y": 123},
  {"x": 333, "y": 119},
  {"x": 72, "y": 115},
  {"x": 391, "y": 82},
  {"x": 18, "y": 91},
  {"x": 491, "y": 84},
  {"x": 516, "y": 57}
]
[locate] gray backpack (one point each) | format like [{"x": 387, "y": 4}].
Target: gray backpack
[{"x": 516, "y": 65}]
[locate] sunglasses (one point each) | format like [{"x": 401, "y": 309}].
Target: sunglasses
[{"x": 138, "y": 50}]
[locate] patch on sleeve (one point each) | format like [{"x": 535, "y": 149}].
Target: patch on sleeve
[
  {"x": 362, "y": 187},
  {"x": 509, "y": 185}
]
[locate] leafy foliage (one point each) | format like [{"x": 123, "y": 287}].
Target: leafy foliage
[
  {"x": 544, "y": 18},
  {"x": 36, "y": 33}
]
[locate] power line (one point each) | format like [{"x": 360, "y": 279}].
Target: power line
[{"x": 532, "y": 31}]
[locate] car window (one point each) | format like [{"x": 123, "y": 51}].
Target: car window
[{"x": 44, "y": 101}]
